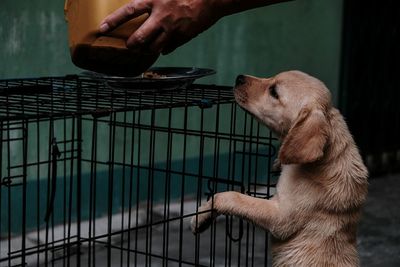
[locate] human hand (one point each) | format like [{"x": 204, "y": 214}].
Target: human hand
[{"x": 171, "y": 22}]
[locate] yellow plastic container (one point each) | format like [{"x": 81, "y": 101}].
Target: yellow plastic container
[{"x": 104, "y": 53}]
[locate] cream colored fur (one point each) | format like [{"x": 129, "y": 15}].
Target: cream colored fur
[{"x": 313, "y": 216}]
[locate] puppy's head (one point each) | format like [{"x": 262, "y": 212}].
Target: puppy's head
[{"x": 294, "y": 106}]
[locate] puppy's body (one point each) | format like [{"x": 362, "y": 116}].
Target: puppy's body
[
  {"x": 324, "y": 200},
  {"x": 323, "y": 183}
]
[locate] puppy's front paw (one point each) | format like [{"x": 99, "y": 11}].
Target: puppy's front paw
[{"x": 200, "y": 222}]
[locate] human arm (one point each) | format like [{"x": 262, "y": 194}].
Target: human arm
[{"x": 174, "y": 22}]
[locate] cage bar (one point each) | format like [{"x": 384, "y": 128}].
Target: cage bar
[{"x": 98, "y": 175}]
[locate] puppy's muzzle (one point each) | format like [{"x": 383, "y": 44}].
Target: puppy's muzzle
[{"x": 240, "y": 80}]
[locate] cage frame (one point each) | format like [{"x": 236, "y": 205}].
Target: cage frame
[{"x": 69, "y": 99}]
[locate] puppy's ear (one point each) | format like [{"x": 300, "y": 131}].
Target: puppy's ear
[{"x": 306, "y": 139}]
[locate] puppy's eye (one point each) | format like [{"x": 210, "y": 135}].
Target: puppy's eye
[{"x": 273, "y": 92}]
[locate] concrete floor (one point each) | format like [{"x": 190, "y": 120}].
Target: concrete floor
[
  {"x": 378, "y": 238},
  {"x": 379, "y": 231}
]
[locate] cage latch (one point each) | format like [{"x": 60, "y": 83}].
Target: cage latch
[
  {"x": 211, "y": 185},
  {"x": 101, "y": 112},
  {"x": 204, "y": 103},
  {"x": 229, "y": 230},
  {"x": 55, "y": 153}
]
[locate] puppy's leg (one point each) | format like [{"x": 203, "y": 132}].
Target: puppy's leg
[{"x": 262, "y": 212}]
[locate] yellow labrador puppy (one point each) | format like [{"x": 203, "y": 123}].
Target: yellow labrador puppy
[{"x": 314, "y": 214}]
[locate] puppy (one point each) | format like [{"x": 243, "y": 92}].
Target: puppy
[{"x": 323, "y": 183}]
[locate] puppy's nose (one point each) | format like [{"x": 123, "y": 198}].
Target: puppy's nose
[{"x": 240, "y": 80}]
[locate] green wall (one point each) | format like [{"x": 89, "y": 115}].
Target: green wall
[{"x": 303, "y": 34}]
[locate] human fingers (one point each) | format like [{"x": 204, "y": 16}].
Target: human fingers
[
  {"x": 146, "y": 34},
  {"x": 123, "y": 14},
  {"x": 158, "y": 44}
]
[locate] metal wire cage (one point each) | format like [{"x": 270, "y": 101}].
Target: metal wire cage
[{"x": 95, "y": 175}]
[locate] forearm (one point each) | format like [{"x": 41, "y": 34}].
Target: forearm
[
  {"x": 229, "y": 7},
  {"x": 174, "y": 22}
]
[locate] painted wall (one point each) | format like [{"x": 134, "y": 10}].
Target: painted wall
[{"x": 303, "y": 34}]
